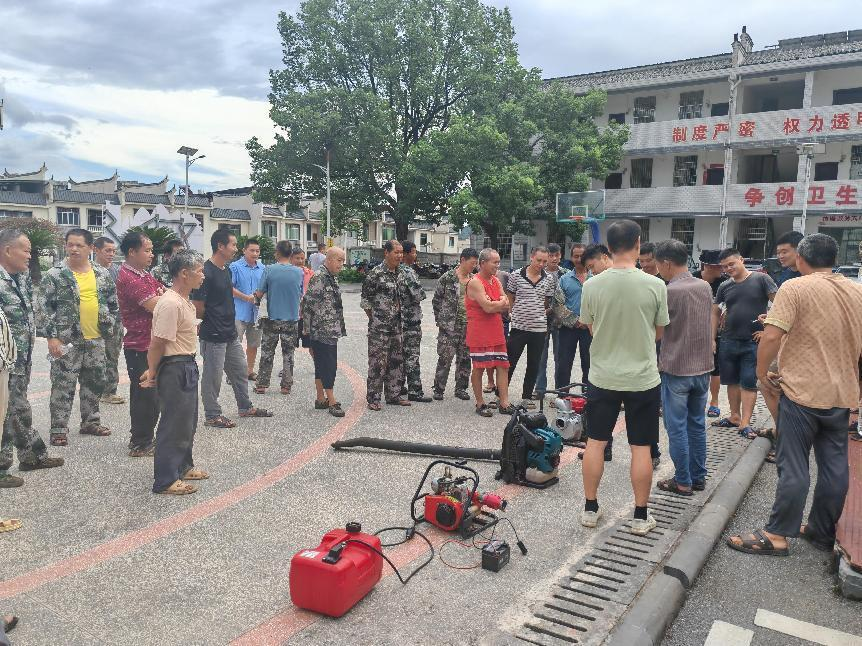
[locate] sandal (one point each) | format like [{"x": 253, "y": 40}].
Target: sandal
[
  {"x": 59, "y": 439},
  {"x": 759, "y": 543},
  {"x": 375, "y": 406},
  {"x": 336, "y": 411},
  {"x": 220, "y": 422},
  {"x": 768, "y": 433},
  {"x": 713, "y": 411},
  {"x": 672, "y": 486},
  {"x": 484, "y": 410},
  {"x": 507, "y": 410},
  {"x": 816, "y": 543},
  {"x": 9, "y": 623},
  {"x": 196, "y": 474},
  {"x": 10, "y": 525},
  {"x": 256, "y": 412},
  {"x": 260, "y": 390},
  {"x": 95, "y": 429},
  {"x": 179, "y": 488},
  {"x": 725, "y": 423},
  {"x": 747, "y": 432},
  {"x": 489, "y": 389},
  {"x": 285, "y": 390},
  {"x": 771, "y": 457},
  {"x": 321, "y": 404}
]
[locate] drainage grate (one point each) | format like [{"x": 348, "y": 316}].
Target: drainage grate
[{"x": 583, "y": 606}]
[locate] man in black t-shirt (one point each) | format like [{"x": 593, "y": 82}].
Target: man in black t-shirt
[{"x": 220, "y": 347}]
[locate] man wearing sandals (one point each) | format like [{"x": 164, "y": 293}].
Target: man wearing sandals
[
  {"x": 814, "y": 329},
  {"x": 685, "y": 362},
  {"x": 79, "y": 308},
  {"x": 220, "y": 348},
  {"x": 173, "y": 372},
  {"x": 16, "y": 307}
]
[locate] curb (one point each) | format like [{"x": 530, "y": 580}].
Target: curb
[{"x": 645, "y": 622}]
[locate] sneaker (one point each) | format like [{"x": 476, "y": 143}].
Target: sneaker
[
  {"x": 642, "y": 527},
  {"x": 7, "y": 481},
  {"x": 44, "y": 463},
  {"x": 112, "y": 399},
  {"x": 698, "y": 485},
  {"x": 591, "y": 518},
  {"x": 420, "y": 397},
  {"x": 462, "y": 394},
  {"x": 143, "y": 452},
  {"x": 438, "y": 397}
]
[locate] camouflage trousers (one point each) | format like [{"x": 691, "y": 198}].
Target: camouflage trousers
[
  {"x": 385, "y": 363},
  {"x": 83, "y": 364},
  {"x": 412, "y": 368},
  {"x": 113, "y": 347},
  {"x": 452, "y": 345},
  {"x": 274, "y": 331},
  {"x": 18, "y": 429}
]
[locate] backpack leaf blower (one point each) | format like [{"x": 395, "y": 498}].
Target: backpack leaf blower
[{"x": 531, "y": 451}]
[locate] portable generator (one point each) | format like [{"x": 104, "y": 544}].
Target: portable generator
[
  {"x": 454, "y": 503},
  {"x": 571, "y": 421},
  {"x": 531, "y": 451}
]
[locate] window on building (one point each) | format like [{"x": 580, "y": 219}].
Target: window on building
[
  {"x": 269, "y": 228},
  {"x": 849, "y": 243},
  {"x": 714, "y": 175},
  {"x": 754, "y": 238},
  {"x": 847, "y": 95},
  {"x": 235, "y": 229},
  {"x": 685, "y": 170},
  {"x": 5, "y": 213},
  {"x": 617, "y": 117},
  {"x": 451, "y": 241},
  {"x": 641, "y": 176},
  {"x": 69, "y": 216},
  {"x": 682, "y": 229},
  {"x": 644, "y": 111},
  {"x": 389, "y": 233},
  {"x": 292, "y": 232},
  {"x": 94, "y": 220},
  {"x": 364, "y": 235},
  {"x": 719, "y": 109},
  {"x": 311, "y": 234},
  {"x": 825, "y": 171},
  {"x": 423, "y": 239},
  {"x": 200, "y": 220},
  {"x": 643, "y": 223},
  {"x": 691, "y": 105},
  {"x": 856, "y": 162},
  {"x": 614, "y": 180}
]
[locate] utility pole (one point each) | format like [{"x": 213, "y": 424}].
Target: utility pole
[{"x": 189, "y": 154}]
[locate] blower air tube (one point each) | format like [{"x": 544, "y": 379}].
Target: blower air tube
[{"x": 492, "y": 455}]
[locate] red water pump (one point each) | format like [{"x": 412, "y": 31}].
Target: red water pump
[
  {"x": 454, "y": 504},
  {"x": 332, "y": 577}
]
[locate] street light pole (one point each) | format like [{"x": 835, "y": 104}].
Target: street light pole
[
  {"x": 190, "y": 159},
  {"x": 328, "y": 203}
]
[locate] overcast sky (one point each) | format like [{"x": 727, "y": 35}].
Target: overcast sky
[{"x": 96, "y": 85}]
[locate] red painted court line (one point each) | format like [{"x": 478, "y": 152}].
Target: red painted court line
[
  {"x": 292, "y": 620},
  {"x": 134, "y": 540}
]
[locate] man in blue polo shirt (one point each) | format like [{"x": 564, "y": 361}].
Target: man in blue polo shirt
[
  {"x": 246, "y": 274},
  {"x": 282, "y": 286}
]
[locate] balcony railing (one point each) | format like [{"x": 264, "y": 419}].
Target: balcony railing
[{"x": 755, "y": 130}]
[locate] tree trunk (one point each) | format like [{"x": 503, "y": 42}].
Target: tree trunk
[
  {"x": 35, "y": 267},
  {"x": 401, "y": 227}
]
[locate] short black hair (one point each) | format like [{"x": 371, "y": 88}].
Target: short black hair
[
  {"x": 647, "y": 249},
  {"x": 623, "y": 235},
  {"x": 671, "y": 250},
  {"x": 791, "y": 237},
  {"x": 132, "y": 240},
  {"x": 101, "y": 241},
  {"x": 594, "y": 251},
  {"x": 553, "y": 247},
  {"x": 818, "y": 250},
  {"x": 577, "y": 245},
  {"x": 249, "y": 241},
  {"x": 295, "y": 251},
  {"x": 468, "y": 253},
  {"x": 283, "y": 248},
  {"x": 408, "y": 246},
  {"x": 539, "y": 249},
  {"x": 389, "y": 245},
  {"x": 83, "y": 233},
  {"x": 172, "y": 245},
  {"x": 321, "y": 246},
  {"x": 221, "y": 237},
  {"x": 727, "y": 253}
]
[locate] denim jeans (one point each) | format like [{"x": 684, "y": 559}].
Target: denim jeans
[
  {"x": 684, "y": 403},
  {"x": 542, "y": 380}
]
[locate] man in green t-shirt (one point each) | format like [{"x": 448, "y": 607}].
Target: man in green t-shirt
[{"x": 626, "y": 311}]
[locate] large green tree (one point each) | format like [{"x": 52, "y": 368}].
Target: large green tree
[{"x": 369, "y": 83}]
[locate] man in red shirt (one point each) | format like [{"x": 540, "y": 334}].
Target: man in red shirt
[{"x": 138, "y": 292}]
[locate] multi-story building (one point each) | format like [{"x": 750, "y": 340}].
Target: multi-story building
[{"x": 716, "y": 143}]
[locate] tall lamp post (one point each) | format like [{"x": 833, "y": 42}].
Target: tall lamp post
[
  {"x": 190, "y": 159},
  {"x": 328, "y": 198}
]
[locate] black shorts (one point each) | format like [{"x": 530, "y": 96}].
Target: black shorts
[
  {"x": 642, "y": 408},
  {"x": 325, "y": 362}
]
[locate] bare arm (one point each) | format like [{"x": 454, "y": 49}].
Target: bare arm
[
  {"x": 767, "y": 349},
  {"x": 716, "y": 317},
  {"x": 150, "y": 303},
  {"x": 200, "y": 308},
  {"x": 154, "y": 358},
  {"x": 476, "y": 292},
  {"x": 248, "y": 298},
  {"x": 659, "y": 332}
]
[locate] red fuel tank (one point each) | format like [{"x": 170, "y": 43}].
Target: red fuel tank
[
  {"x": 332, "y": 588},
  {"x": 578, "y": 404}
]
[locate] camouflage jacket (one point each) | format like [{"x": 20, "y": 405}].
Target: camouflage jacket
[
  {"x": 445, "y": 301},
  {"x": 322, "y": 311},
  {"x": 60, "y": 305},
  {"x": 384, "y": 292},
  {"x": 411, "y": 303},
  {"x": 162, "y": 274},
  {"x": 16, "y": 301}
]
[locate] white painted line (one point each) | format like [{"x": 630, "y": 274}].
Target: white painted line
[
  {"x": 725, "y": 634},
  {"x": 804, "y": 630}
]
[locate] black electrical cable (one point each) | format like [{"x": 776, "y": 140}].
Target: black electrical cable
[
  {"x": 408, "y": 534},
  {"x": 412, "y": 531}
]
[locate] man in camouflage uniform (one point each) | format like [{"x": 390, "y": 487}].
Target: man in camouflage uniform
[
  {"x": 382, "y": 296},
  {"x": 105, "y": 250},
  {"x": 411, "y": 311},
  {"x": 16, "y": 303},
  {"x": 450, "y": 314},
  {"x": 161, "y": 272},
  {"x": 61, "y": 302}
]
